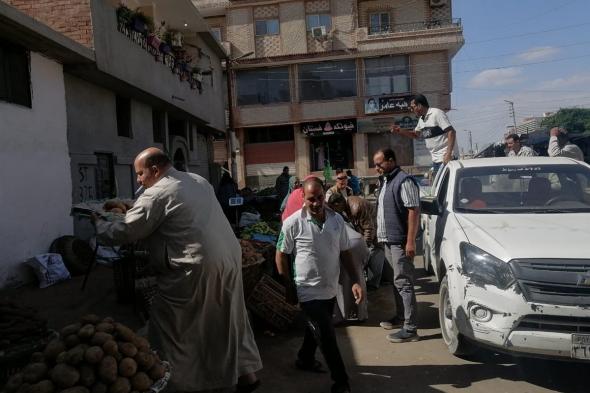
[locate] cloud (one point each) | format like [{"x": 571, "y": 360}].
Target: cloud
[
  {"x": 496, "y": 77},
  {"x": 580, "y": 81},
  {"x": 539, "y": 53}
]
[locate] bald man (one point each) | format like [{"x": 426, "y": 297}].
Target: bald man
[
  {"x": 318, "y": 238},
  {"x": 198, "y": 319}
]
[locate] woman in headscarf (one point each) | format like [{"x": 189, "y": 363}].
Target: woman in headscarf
[
  {"x": 294, "y": 184},
  {"x": 348, "y": 310}
]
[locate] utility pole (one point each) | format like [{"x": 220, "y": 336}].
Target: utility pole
[
  {"x": 512, "y": 113},
  {"x": 470, "y": 141}
]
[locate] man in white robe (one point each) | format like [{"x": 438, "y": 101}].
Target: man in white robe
[{"x": 198, "y": 319}]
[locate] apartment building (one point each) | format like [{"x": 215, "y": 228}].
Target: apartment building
[{"x": 321, "y": 81}]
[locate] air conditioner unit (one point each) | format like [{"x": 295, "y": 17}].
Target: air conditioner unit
[
  {"x": 438, "y": 3},
  {"x": 319, "y": 32}
]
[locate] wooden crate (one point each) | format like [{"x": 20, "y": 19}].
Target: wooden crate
[{"x": 267, "y": 301}]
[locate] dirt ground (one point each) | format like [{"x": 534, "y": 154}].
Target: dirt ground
[{"x": 374, "y": 364}]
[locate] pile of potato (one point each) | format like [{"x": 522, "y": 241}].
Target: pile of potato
[
  {"x": 250, "y": 254},
  {"x": 92, "y": 356}
]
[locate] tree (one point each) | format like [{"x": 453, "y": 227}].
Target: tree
[{"x": 574, "y": 120}]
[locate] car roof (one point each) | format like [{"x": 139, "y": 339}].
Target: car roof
[{"x": 513, "y": 161}]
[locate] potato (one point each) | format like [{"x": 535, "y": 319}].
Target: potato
[
  {"x": 145, "y": 360},
  {"x": 37, "y": 357},
  {"x": 45, "y": 386},
  {"x": 54, "y": 348},
  {"x": 70, "y": 329},
  {"x": 92, "y": 319},
  {"x": 157, "y": 371},
  {"x": 14, "y": 382},
  {"x": 110, "y": 347},
  {"x": 76, "y": 389},
  {"x": 127, "y": 367},
  {"x": 105, "y": 327},
  {"x": 93, "y": 355},
  {"x": 24, "y": 388},
  {"x": 141, "y": 343},
  {"x": 76, "y": 354},
  {"x": 121, "y": 385},
  {"x": 61, "y": 358},
  {"x": 34, "y": 372},
  {"x": 72, "y": 340},
  {"x": 109, "y": 320},
  {"x": 127, "y": 349},
  {"x": 124, "y": 332},
  {"x": 100, "y": 338},
  {"x": 141, "y": 382},
  {"x": 107, "y": 369},
  {"x": 87, "y": 375},
  {"x": 64, "y": 376},
  {"x": 86, "y": 331},
  {"x": 99, "y": 387}
]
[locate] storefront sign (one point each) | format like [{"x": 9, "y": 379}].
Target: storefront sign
[
  {"x": 387, "y": 104},
  {"x": 380, "y": 125},
  {"x": 331, "y": 127}
]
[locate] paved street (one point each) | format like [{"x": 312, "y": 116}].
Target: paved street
[{"x": 375, "y": 365}]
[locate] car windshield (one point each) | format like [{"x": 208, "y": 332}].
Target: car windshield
[{"x": 523, "y": 189}]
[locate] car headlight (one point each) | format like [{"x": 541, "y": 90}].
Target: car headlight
[{"x": 483, "y": 268}]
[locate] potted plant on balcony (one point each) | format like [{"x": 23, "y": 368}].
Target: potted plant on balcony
[
  {"x": 124, "y": 15},
  {"x": 154, "y": 38},
  {"x": 142, "y": 23},
  {"x": 175, "y": 38}
]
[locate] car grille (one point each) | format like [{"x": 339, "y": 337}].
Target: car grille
[
  {"x": 549, "y": 323},
  {"x": 554, "y": 281}
]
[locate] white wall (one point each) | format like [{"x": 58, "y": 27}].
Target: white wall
[{"x": 36, "y": 188}]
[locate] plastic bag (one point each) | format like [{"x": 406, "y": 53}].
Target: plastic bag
[
  {"x": 49, "y": 269},
  {"x": 247, "y": 219}
]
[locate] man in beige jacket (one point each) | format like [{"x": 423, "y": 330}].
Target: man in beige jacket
[{"x": 198, "y": 321}]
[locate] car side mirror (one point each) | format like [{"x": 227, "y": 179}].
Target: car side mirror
[{"x": 429, "y": 205}]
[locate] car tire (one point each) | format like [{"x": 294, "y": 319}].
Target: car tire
[{"x": 455, "y": 341}]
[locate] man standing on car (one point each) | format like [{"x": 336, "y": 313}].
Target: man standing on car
[
  {"x": 398, "y": 215},
  {"x": 560, "y": 146},
  {"x": 436, "y": 130},
  {"x": 516, "y": 149}
]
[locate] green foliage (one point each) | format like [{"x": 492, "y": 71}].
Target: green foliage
[
  {"x": 574, "y": 120},
  {"x": 260, "y": 227}
]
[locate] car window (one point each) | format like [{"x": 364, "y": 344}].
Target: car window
[{"x": 538, "y": 189}]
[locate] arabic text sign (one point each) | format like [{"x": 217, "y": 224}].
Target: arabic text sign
[
  {"x": 387, "y": 104},
  {"x": 382, "y": 125},
  {"x": 330, "y": 127}
]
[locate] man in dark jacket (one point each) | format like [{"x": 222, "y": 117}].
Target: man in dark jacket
[
  {"x": 398, "y": 215},
  {"x": 282, "y": 184}
]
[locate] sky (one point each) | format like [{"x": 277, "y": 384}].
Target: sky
[{"x": 535, "y": 53}]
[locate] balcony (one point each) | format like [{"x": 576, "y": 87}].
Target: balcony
[{"x": 433, "y": 34}]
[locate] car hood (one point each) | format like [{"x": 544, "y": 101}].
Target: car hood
[{"x": 510, "y": 236}]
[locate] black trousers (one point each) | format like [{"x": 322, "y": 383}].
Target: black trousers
[{"x": 320, "y": 331}]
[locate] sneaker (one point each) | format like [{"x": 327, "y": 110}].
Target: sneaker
[
  {"x": 340, "y": 388},
  {"x": 403, "y": 336},
  {"x": 393, "y": 323}
]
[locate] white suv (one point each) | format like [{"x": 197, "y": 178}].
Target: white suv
[{"x": 509, "y": 240}]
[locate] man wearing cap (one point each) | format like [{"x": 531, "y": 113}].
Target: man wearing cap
[
  {"x": 516, "y": 149},
  {"x": 436, "y": 130},
  {"x": 560, "y": 146}
]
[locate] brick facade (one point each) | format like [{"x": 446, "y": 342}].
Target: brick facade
[{"x": 69, "y": 17}]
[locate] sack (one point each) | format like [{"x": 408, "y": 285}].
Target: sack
[
  {"x": 49, "y": 269},
  {"x": 248, "y": 219}
]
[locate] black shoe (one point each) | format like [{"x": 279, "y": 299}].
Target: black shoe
[
  {"x": 340, "y": 388},
  {"x": 393, "y": 323},
  {"x": 248, "y": 388},
  {"x": 403, "y": 336},
  {"x": 314, "y": 367}
]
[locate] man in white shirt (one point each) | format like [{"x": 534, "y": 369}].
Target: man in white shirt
[
  {"x": 317, "y": 238},
  {"x": 516, "y": 149},
  {"x": 436, "y": 130},
  {"x": 560, "y": 146}
]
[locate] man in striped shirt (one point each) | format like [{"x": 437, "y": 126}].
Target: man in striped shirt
[{"x": 398, "y": 215}]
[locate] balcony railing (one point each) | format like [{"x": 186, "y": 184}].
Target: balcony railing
[{"x": 414, "y": 26}]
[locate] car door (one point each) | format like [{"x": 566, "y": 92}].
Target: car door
[{"x": 435, "y": 224}]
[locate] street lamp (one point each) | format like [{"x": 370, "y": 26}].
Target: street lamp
[{"x": 230, "y": 120}]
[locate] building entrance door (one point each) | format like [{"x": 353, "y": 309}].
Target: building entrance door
[{"x": 334, "y": 149}]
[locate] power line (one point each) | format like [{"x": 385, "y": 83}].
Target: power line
[{"x": 528, "y": 34}]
